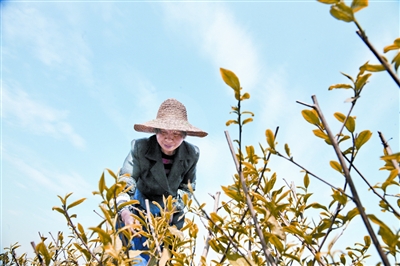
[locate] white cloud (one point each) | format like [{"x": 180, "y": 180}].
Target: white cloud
[
  {"x": 47, "y": 39},
  {"x": 45, "y": 178},
  {"x": 18, "y": 108},
  {"x": 213, "y": 28}
]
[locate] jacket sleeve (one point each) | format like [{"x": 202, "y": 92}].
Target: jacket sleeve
[
  {"x": 190, "y": 177},
  {"x": 129, "y": 174}
]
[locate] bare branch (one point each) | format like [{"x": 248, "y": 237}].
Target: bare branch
[
  {"x": 352, "y": 186},
  {"x": 267, "y": 253},
  {"x": 389, "y": 152},
  {"x": 207, "y": 245},
  {"x": 385, "y": 64}
]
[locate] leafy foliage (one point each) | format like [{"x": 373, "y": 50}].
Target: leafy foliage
[{"x": 259, "y": 222}]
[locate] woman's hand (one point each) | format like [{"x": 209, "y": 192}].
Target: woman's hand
[{"x": 128, "y": 219}]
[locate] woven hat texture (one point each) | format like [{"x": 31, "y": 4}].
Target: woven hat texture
[{"x": 171, "y": 115}]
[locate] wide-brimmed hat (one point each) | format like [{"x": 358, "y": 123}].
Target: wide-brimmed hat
[{"x": 171, "y": 115}]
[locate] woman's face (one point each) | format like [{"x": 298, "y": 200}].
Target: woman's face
[{"x": 169, "y": 140}]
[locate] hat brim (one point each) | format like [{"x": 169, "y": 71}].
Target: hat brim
[{"x": 149, "y": 127}]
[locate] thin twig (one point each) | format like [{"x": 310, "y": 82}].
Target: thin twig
[
  {"x": 207, "y": 245},
  {"x": 310, "y": 173},
  {"x": 37, "y": 253},
  {"x": 78, "y": 235},
  {"x": 385, "y": 64},
  {"x": 220, "y": 229},
  {"x": 151, "y": 227},
  {"x": 14, "y": 256},
  {"x": 267, "y": 253},
  {"x": 373, "y": 189},
  {"x": 352, "y": 186},
  {"x": 389, "y": 152},
  {"x": 256, "y": 189}
]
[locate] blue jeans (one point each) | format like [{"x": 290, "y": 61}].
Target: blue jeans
[{"x": 137, "y": 243}]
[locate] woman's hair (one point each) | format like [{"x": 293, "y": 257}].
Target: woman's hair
[{"x": 184, "y": 134}]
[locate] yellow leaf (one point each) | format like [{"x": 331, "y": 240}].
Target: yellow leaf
[
  {"x": 340, "y": 86},
  {"x": 335, "y": 165},
  {"x": 371, "y": 68},
  {"x": 311, "y": 116},
  {"x": 339, "y": 116},
  {"x": 230, "y": 79},
  {"x": 228, "y": 123},
  {"x": 394, "y": 156},
  {"x": 361, "y": 81},
  {"x": 102, "y": 183},
  {"x": 320, "y": 134},
  {"x": 270, "y": 138},
  {"x": 390, "y": 48},
  {"x": 58, "y": 209},
  {"x": 111, "y": 173},
  {"x": 287, "y": 150},
  {"x": 362, "y": 138},
  {"x": 248, "y": 120},
  {"x": 329, "y": 2},
  {"x": 342, "y": 12},
  {"x": 357, "y": 5},
  {"x": 306, "y": 180},
  {"x": 396, "y": 61},
  {"x": 350, "y": 124},
  {"x": 394, "y": 46},
  {"x": 245, "y": 96},
  {"x": 76, "y": 203}
]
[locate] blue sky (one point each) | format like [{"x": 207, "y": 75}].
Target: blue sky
[{"x": 76, "y": 76}]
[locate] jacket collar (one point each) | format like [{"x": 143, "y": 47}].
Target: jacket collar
[
  {"x": 157, "y": 169},
  {"x": 154, "y": 151}
]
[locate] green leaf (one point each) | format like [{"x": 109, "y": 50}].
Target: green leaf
[
  {"x": 230, "y": 79},
  {"x": 362, "y": 138},
  {"x": 340, "y": 86},
  {"x": 311, "y": 116},
  {"x": 270, "y": 138},
  {"x": 335, "y": 165},
  {"x": 342, "y": 12},
  {"x": 76, "y": 203},
  {"x": 357, "y": 5}
]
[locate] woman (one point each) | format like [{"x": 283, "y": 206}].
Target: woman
[{"x": 161, "y": 165}]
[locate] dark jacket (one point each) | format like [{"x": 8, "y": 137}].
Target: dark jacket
[{"x": 144, "y": 164}]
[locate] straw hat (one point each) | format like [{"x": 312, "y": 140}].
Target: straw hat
[{"x": 171, "y": 115}]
